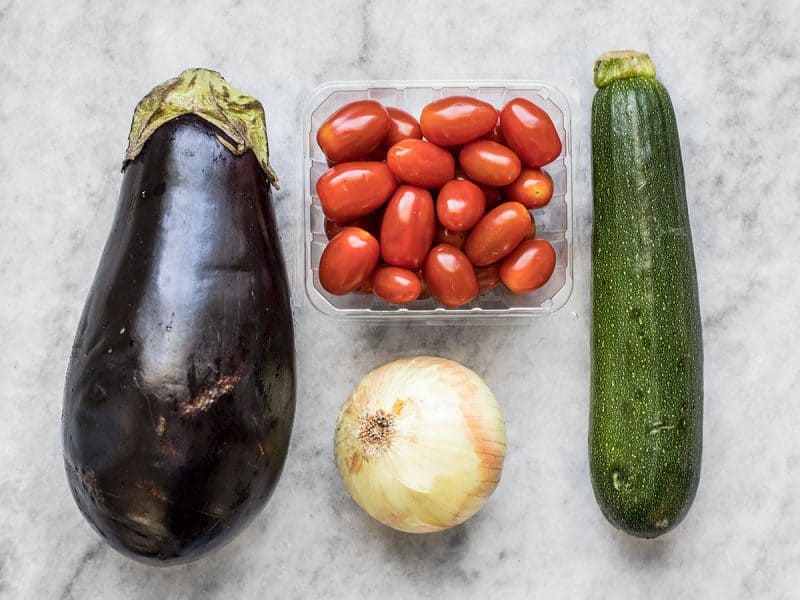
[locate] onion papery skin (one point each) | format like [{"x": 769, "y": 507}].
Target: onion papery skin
[{"x": 420, "y": 444}]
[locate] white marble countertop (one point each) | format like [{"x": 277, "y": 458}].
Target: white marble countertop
[{"x": 71, "y": 74}]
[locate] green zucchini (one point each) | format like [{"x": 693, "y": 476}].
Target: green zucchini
[{"x": 645, "y": 431}]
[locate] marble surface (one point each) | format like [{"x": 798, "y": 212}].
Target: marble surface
[{"x": 71, "y": 73}]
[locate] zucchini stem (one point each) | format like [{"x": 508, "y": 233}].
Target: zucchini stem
[{"x": 622, "y": 64}]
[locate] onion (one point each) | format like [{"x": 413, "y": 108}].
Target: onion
[{"x": 420, "y": 444}]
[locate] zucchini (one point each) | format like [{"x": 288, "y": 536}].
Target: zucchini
[
  {"x": 180, "y": 394},
  {"x": 645, "y": 432}
]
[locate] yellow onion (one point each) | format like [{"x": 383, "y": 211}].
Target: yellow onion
[{"x": 420, "y": 444}]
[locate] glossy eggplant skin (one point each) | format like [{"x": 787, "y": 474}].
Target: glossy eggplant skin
[{"x": 180, "y": 393}]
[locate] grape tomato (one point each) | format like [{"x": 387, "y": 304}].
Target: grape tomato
[
  {"x": 348, "y": 260},
  {"x": 353, "y": 131}
]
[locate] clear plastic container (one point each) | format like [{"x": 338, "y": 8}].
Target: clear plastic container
[{"x": 553, "y": 222}]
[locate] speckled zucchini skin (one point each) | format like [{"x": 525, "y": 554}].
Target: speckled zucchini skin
[{"x": 645, "y": 433}]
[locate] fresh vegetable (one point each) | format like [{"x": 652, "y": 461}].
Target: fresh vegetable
[
  {"x": 425, "y": 291},
  {"x": 492, "y": 195},
  {"x": 460, "y": 205},
  {"x": 496, "y": 135},
  {"x": 530, "y": 133},
  {"x": 488, "y": 276},
  {"x": 450, "y": 276},
  {"x": 348, "y": 260},
  {"x": 367, "y": 286},
  {"x": 354, "y": 131},
  {"x": 489, "y": 163},
  {"x": 420, "y": 163},
  {"x": 408, "y": 227},
  {"x": 355, "y": 189},
  {"x": 532, "y": 231},
  {"x": 497, "y": 233},
  {"x": 420, "y": 444},
  {"x": 370, "y": 223},
  {"x": 177, "y": 414},
  {"x": 645, "y": 433},
  {"x": 403, "y": 127},
  {"x": 365, "y": 193},
  {"x": 396, "y": 285},
  {"x": 456, "y": 120},
  {"x": 446, "y": 236},
  {"x": 533, "y": 189},
  {"x": 529, "y": 266}
]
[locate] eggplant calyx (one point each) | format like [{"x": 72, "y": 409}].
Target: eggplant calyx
[{"x": 204, "y": 93}]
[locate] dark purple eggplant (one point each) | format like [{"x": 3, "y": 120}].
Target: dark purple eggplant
[{"x": 180, "y": 392}]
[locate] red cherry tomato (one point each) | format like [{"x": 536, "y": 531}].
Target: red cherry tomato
[
  {"x": 421, "y": 163},
  {"x": 496, "y": 134},
  {"x": 457, "y": 120},
  {"x": 450, "y": 276},
  {"x": 533, "y": 188},
  {"x": 425, "y": 291},
  {"x": 408, "y": 227},
  {"x": 348, "y": 260},
  {"x": 370, "y": 223},
  {"x": 460, "y": 204},
  {"x": 353, "y": 131},
  {"x": 493, "y": 195},
  {"x": 532, "y": 231},
  {"x": 403, "y": 127},
  {"x": 530, "y": 132},
  {"x": 355, "y": 189},
  {"x": 488, "y": 276},
  {"x": 367, "y": 285},
  {"x": 396, "y": 285},
  {"x": 489, "y": 163},
  {"x": 497, "y": 233},
  {"x": 529, "y": 266},
  {"x": 446, "y": 236}
]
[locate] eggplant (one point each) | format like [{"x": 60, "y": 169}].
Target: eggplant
[{"x": 180, "y": 391}]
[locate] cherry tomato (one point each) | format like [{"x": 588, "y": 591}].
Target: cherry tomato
[
  {"x": 489, "y": 163},
  {"x": 488, "y": 276},
  {"x": 529, "y": 266},
  {"x": 533, "y": 188},
  {"x": 446, "y": 236},
  {"x": 421, "y": 163},
  {"x": 348, "y": 260},
  {"x": 497, "y": 233},
  {"x": 377, "y": 155},
  {"x": 408, "y": 227},
  {"x": 532, "y": 231},
  {"x": 460, "y": 204},
  {"x": 353, "y": 131},
  {"x": 493, "y": 195},
  {"x": 425, "y": 291},
  {"x": 450, "y": 276},
  {"x": 496, "y": 134},
  {"x": 396, "y": 285},
  {"x": 530, "y": 132},
  {"x": 355, "y": 189},
  {"x": 370, "y": 223},
  {"x": 403, "y": 127},
  {"x": 367, "y": 285},
  {"x": 457, "y": 120}
]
